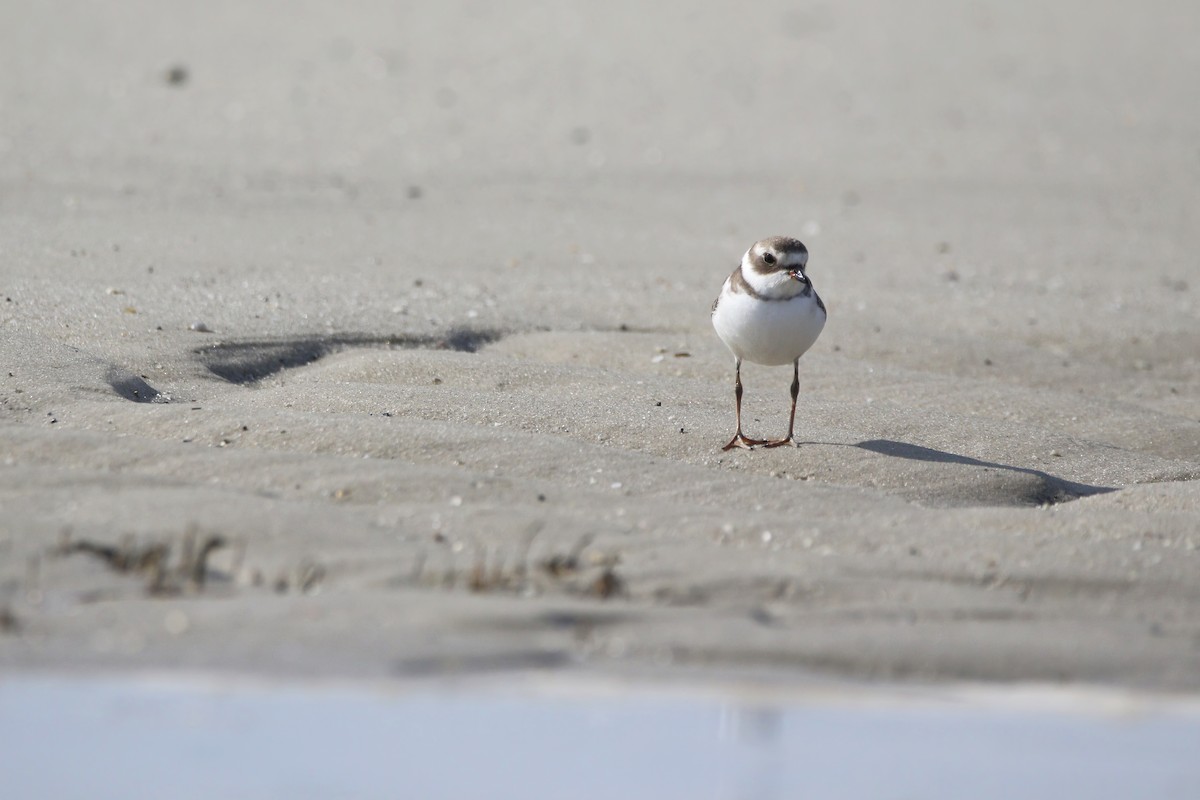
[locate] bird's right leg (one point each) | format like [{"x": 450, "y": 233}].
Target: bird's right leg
[{"x": 739, "y": 439}]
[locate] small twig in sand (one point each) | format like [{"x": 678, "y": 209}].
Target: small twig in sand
[
  {"x": 152, "y": 560},
  {"x": 560, "y": 566},
  {"x": 608, "y": 584},
  {"x": 490, "y": 571},
  {"x": 197, "y": 571}
]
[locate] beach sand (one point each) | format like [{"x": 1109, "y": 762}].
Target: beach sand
[{"x": 406, "y": 312}]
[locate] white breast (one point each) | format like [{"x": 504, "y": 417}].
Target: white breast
[{"x": 769, "y": 332}]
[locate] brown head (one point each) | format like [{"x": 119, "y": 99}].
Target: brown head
[{"x": 775, "y": 267}]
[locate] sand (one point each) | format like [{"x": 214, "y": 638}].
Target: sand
[{"x": 406, "y": 313}]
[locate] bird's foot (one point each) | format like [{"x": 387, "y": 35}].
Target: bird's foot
[
  {"x": 741, "y": 440},
  {"x": 781, "y": 442}
]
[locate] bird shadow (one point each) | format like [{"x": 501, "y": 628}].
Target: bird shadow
[
  {"x": 1048, "y": 489},
  {"x": 1055, "y": 489}
]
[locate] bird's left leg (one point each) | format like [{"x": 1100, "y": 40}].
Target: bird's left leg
[{"x": 792, "y": 418}]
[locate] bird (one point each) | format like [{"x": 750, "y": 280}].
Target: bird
[{"x": 768, "y": 313}]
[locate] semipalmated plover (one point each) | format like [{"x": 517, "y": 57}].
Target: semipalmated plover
[{"x": 769, "y": 313}]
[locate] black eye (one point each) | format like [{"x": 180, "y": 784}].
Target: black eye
[{"x": 769, "y": 258}]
